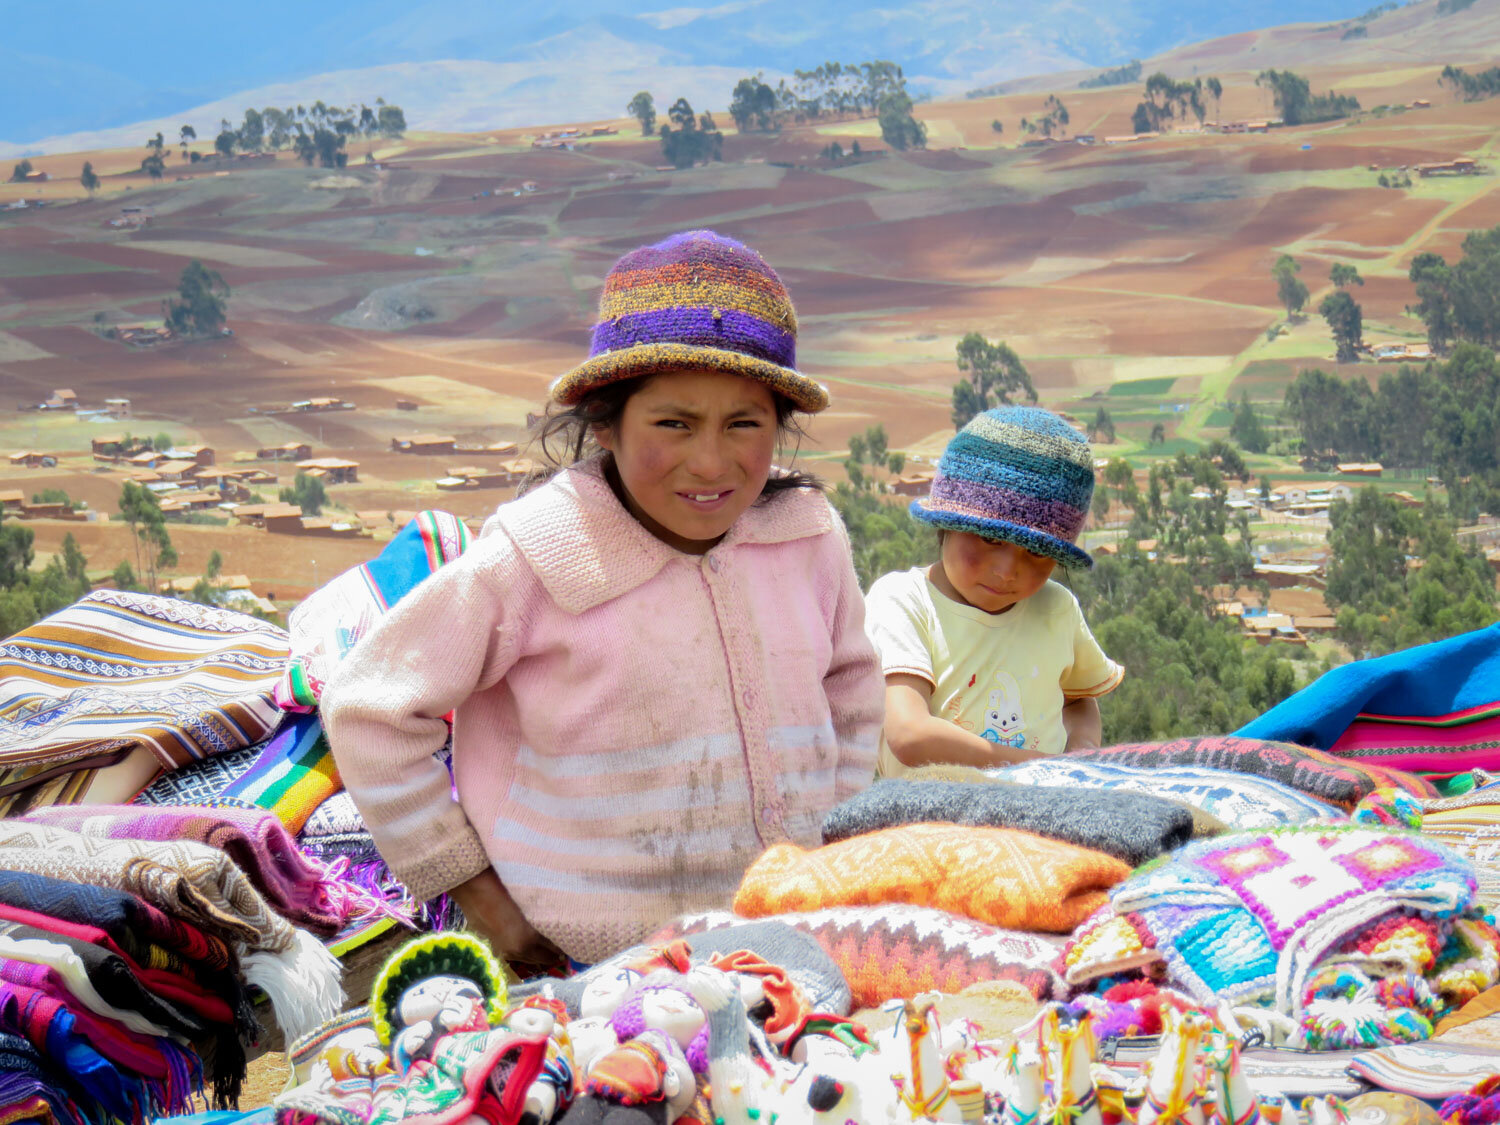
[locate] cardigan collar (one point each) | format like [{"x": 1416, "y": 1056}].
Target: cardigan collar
[{"x": 586, "y": 549}]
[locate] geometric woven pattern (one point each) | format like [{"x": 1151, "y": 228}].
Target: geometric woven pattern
[{"x": 1249, "y": 916}]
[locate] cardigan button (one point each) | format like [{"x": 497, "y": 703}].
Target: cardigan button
[
  {"x": 713, "y": 563},
  {"x": 770, "y": 816}
]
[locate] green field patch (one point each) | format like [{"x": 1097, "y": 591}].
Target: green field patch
[
  {"x": 44, "y": 263},
  {"x": 1219, "y": 417},
  {"x": 1157, "y": 386}
]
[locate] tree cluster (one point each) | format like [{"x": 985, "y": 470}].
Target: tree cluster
[
  {"x": 1444, "y": 417},
  {"x": 318, "y": 134},
  {"x": 1296, "y": 102},
  {"x": 1247, "y": 430},
  {"x": 993, "y": 373},
  {"x": 1462, "y": 301},
  {"x": 1398, "y": 576},
  {"x": 1291, "y": 291},
  {"x": 1471, "y": 87},
  {"x": 307, "y": 493},
  {"x": 155, "y": 162},
  {"x": 1346, "y": 322},
  {"x": 201, "y": 302},
  {"x": 1116, "y": 76},
  {"x": 88, "y": 179},
  {"x": 27, "y": 595},
  {"x": 21, "y": 170},
  {"x": 882, "y": 534},
  {"x": 1168, "y": 100},
  {"x": 142, "y": 513},
  {"x": 1053, "y": 120},
  {"x": 689, "y": 138}
]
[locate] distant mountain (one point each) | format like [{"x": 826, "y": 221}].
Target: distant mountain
[{"x": 453, "y": 64}]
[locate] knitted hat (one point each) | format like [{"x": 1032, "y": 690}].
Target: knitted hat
[
  {"x": 1017, "y": 473},
  {"x": 697, "y": 300}
]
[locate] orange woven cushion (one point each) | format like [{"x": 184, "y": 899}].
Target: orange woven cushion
[{"x": 997, "y": 875}]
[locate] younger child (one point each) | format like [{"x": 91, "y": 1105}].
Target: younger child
[{"x": 987, "y": 661}]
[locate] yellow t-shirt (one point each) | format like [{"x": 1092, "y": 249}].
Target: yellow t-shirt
[{"x": 1006, "y": 676}]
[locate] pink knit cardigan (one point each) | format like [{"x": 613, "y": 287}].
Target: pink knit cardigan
[{"x": 634, "y": 725}]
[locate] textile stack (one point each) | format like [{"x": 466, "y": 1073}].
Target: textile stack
[{"x": 176, "y": 842}]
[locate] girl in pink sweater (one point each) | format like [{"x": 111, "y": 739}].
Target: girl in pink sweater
[{"x": 656, "y": 660}]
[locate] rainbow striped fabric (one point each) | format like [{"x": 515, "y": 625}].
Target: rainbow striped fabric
[
  {"x": 118, "y": 670},
  {"x": 1017, "y": 473},
  {"x": 333, "y": 619},
  {"x": 695, "y": 301}
]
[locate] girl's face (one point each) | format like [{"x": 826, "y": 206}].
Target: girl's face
[
  {"x": 693, "y": 450},
  {"x": 989, "y": 574}
]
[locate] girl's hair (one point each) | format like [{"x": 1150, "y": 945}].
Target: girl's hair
[{"x": 565, "y": 435}]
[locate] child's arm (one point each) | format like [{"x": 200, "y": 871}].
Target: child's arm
[
  {"x": 919, "y": 738},
  {"x": 852, "y": 683},
  {"x": 1080, "y": 718}
]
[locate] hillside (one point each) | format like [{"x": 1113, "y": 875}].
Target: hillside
[
  {"x": 67, "y": 85},
  {"x": 1136, "y": 275}
]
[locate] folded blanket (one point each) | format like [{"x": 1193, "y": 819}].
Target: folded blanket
[
  {"x": 1312, "y": 771},
  {"x": 337, "y": 816},
  {"x": 25, "y": 1075},
  {"x": 335, "y": 616},
  {"x": 1240, "y": 800},
  {"x": 202, "y": 885},
  {"x": 256, "y": 841},
  {"x": 1470, "y": 825},
  {"x": 997, "y": 875},
  {"x": 1130, "y": 826},
  {"x": 118, "y": 670},
  {"x": 1435, "y": 708},
  {"x": 1249, "y": 917},
  {"x": 896, "y": 951}
]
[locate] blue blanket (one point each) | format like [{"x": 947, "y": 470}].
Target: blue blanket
[{"x": 1430, "y": 681}]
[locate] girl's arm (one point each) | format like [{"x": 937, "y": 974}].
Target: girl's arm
[
  {"x": 919, "y": 738},
  {"x": 1080, "y": 718},
  {"x": 852, "y": 683},
  {"x": 383, "y": 711}
]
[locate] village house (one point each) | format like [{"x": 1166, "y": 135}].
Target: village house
[
  {"x": 146, "y": 459},
  {"x": 1361, "y": 468},
  {"x": 333, "y": 470},
  {"x": 202, "y": 455},
  {"x": 117, "y": 407},
  {"x": 285, "y": 519},
  {"x": 493, "y": 449},
  {"x": 32, "y": 459},
  {"x": 913, "y": 483},
  {"x": 11, "y": 500},
  {"x": 318, "y": 405},
  {"x": 1458, "y": 166},
  {"x": 175, "y": 470},
  {"x": 288, "y": 451},
  {"x": 62, "y": 399},
  {"x": 427, "y": 444}
]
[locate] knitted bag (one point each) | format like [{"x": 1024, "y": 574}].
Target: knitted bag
[
  {"x": 896, "y": 951},
  {"x": 997, "y": 875},
  {"x": 1240, "y": 800},
  {"x": 1312, "y": 771},
  {"x": 1248, "y": 917},
  {"x": 1130, "y": 826},
  {"x": 1470, "y": 825}
]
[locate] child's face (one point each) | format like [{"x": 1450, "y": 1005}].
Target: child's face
[
  {"x": 693, "y": 450},
  {"x": 990, "y": 574}
]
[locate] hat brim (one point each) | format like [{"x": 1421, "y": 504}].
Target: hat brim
[
  {"x": 657, "y": 359},
  {"x": 1037, "y": 542}
]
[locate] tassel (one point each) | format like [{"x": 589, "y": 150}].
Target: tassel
[{"x": 303, "y": 983}]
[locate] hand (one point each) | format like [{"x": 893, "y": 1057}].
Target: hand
[{"x": 493, "y": 915}]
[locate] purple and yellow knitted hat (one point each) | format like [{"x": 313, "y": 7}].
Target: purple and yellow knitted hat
[
  {"x": 1017, "y": 473},
  {"x": 695, "y": 301}
]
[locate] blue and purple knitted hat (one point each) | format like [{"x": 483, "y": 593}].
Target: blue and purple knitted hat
[
  {"x": 695, "y": 301},
  {"x": 1017, "y": 473}
]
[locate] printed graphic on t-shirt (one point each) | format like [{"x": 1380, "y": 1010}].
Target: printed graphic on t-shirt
[{"x": 1005, "y": 719}]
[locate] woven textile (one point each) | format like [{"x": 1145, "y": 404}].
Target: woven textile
[
  {"x": 1016, "y": 473},
  {"x": 1249, "y": 916},
  {"x": 1130, "y": 826},
  {"x": 997, "y": 875},
  {"x": 118, "y": 670},
  {"x": 1312, "y": 771},
  {"x": 337, "y": 816},
  {"x": 256, "y": 842},
  {"x": 1430, "y": 1070},
  {"x": 1240, "y": 800},
  {"x": 896, "y": 951},
  {"x": 202, "y": 782},
  {"x": 695, "y": 301},
  {"x": 1470, "y": 825},
  {"x": 1435, "y": 707},
  {"x": 329, "y": 623}
]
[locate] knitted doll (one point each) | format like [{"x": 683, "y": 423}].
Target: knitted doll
[
  {"x": 667, "y": 1008},
  {"x": 432, "y": 986}
]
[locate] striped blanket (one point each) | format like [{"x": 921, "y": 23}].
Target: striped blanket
[
  {"x": 333, "y": 619},
  {"x": 118, "y": 670}
]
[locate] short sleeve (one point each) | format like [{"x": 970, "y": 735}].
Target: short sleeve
[
  {"x": 1092, "y": 673},
  {"x": 900, "y": 625}
]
